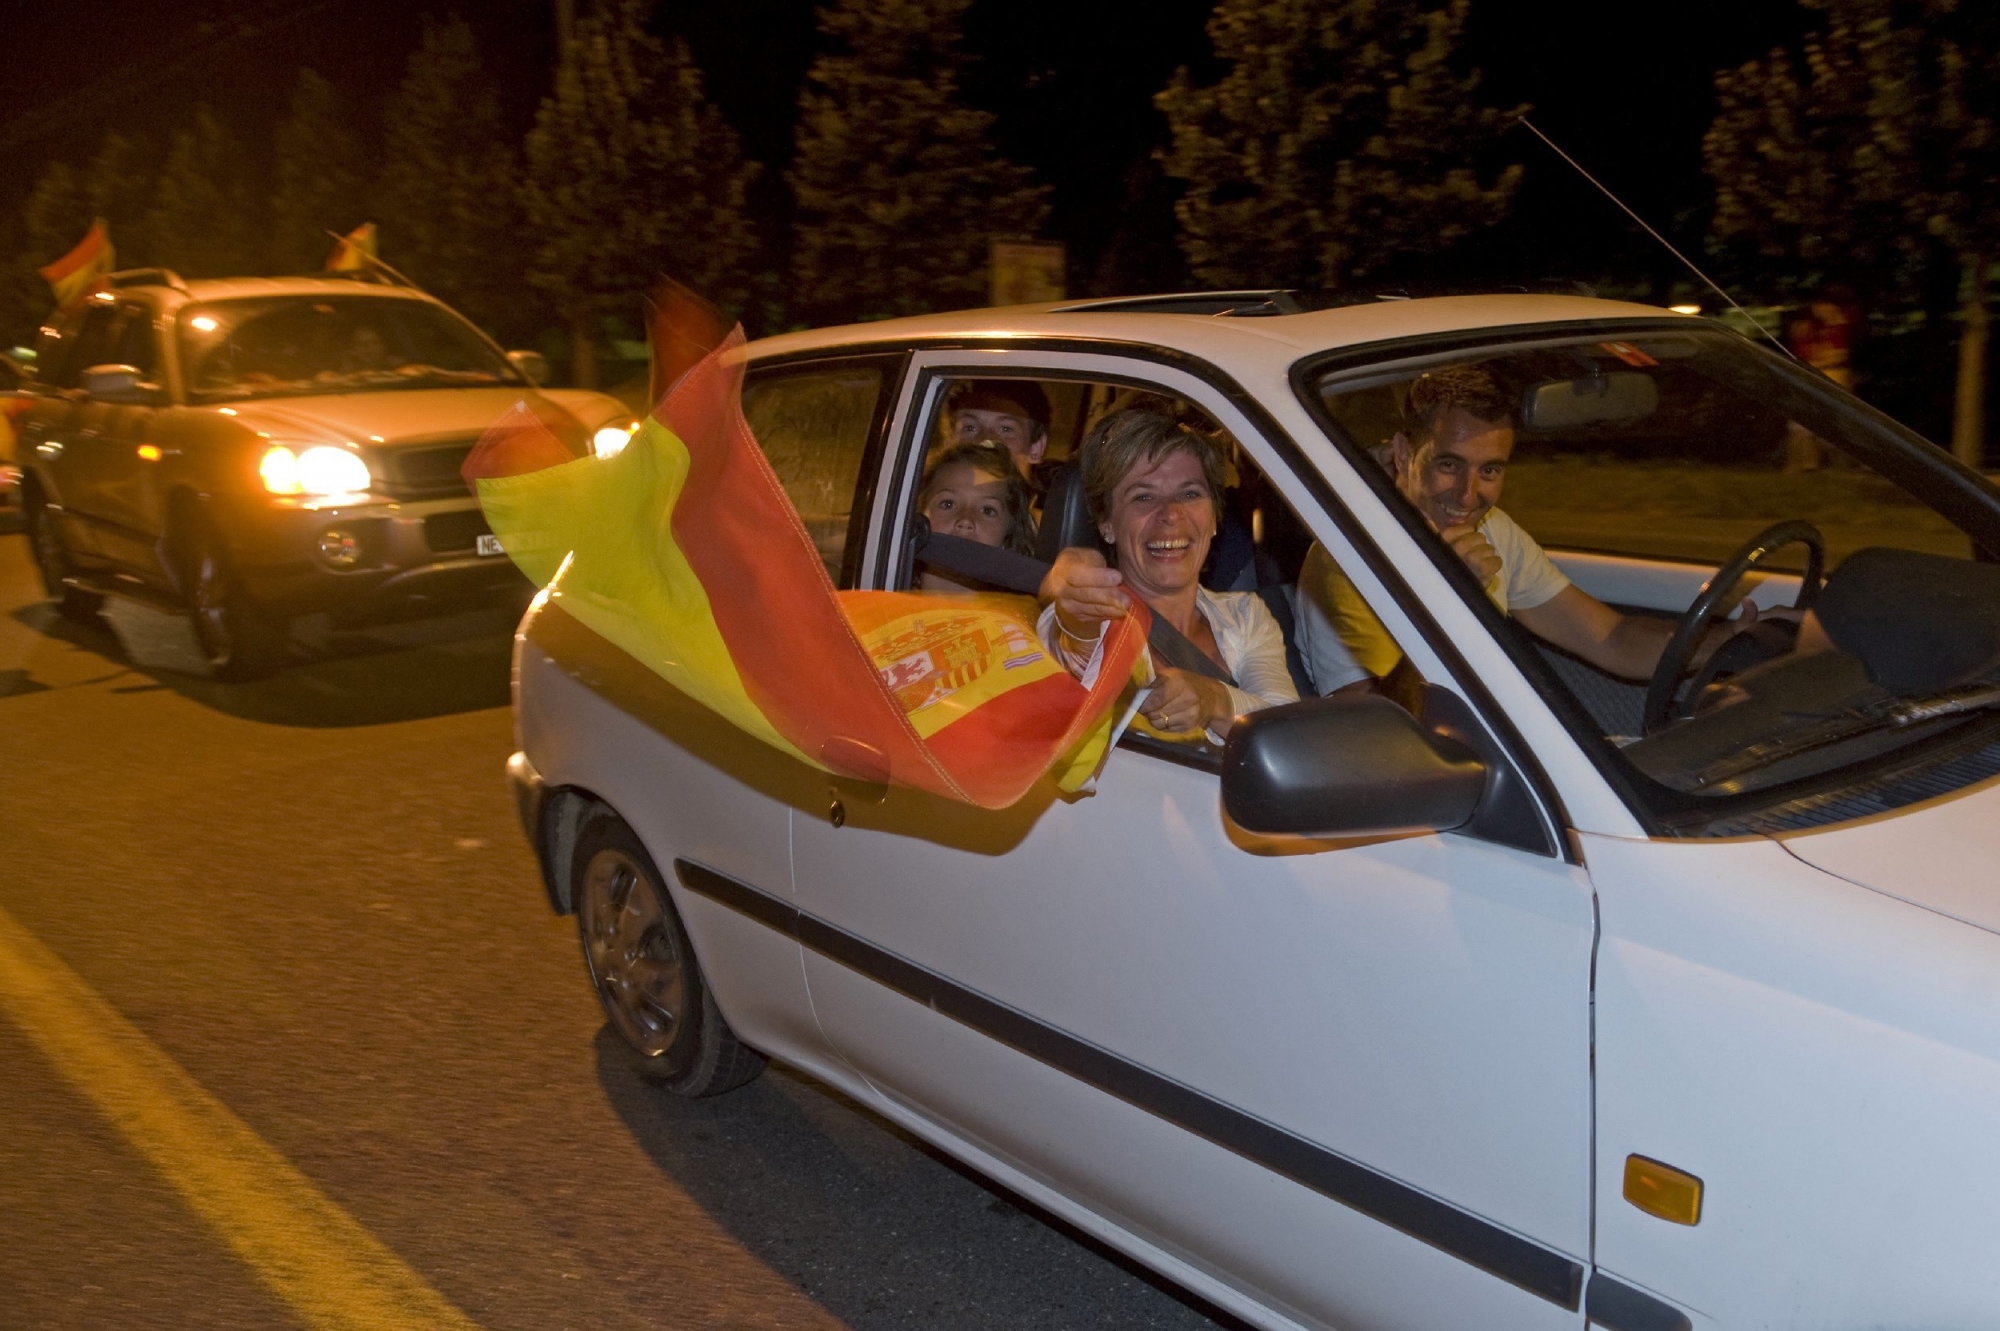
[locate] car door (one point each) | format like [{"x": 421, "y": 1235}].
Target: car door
[
  {"x": 1348, "y": 1079},
  {"x": 64, "y": 427},
  {"x": 117, "y": 455}
]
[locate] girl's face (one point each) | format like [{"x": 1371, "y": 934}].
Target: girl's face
[
  {"x": 1162, "y": 519},
  {"x": 970, "y": 503}
]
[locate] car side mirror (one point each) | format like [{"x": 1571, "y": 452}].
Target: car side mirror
[
  {"x": 533, "y": 365},
  {"x": 1347, "y": 766},
  {"x": 121, "y": 384}
]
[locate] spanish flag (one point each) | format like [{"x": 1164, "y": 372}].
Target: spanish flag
[
  {"x": 352, "y": 251},
  {"x": 683, "y": 551},
  {"x": 83, "y": 270}
]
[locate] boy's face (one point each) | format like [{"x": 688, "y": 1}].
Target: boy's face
[{"x": 1025, "y": 439}]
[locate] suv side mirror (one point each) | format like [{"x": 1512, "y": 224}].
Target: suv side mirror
[
  {"x": 533, "y": 365},
  {"x": 119, "y": 383},
  {"x": 1347, "y": 766}
]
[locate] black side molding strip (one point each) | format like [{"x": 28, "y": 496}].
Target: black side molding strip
[
  {"x": 1616, "y": 1306},
  {"x": 1541, "y": 1271}
]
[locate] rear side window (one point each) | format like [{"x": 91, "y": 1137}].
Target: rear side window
[{"x": 815, "y": 425}]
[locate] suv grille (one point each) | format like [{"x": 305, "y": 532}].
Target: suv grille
[
  {"x": 455, "y": 531},
  {"x": 432, "y": 472}
]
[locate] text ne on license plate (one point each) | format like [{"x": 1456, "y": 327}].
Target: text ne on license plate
[{"x": 489, "y": 544}]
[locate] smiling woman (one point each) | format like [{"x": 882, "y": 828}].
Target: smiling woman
[{"x": 1155, "y": 487}]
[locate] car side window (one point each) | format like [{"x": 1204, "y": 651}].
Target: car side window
[
  {"x": 93, "y": 343},
  {"x": 815, "y": 424},
  {"x": 136, "y": 345}
]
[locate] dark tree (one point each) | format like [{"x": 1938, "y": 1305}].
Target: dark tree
[
  {"x": 898, "y": 184},
  {"x": 1341, "y": 139},
  {"x": 1880, "y": 147},
  {"x": 204, "y": 221},
  {"x": 445, "y": 201},
  {"x": 319, "y": 177},
  {"x": 631, "y": 174}
]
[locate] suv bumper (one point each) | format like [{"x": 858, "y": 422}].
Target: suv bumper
[{"x": 369, "y": 560}]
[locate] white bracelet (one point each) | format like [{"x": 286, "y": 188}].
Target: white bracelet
[{"x": 1074, "y": 636}]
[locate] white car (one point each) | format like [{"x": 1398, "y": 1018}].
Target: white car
[{"x": 1533, "y": 1012}]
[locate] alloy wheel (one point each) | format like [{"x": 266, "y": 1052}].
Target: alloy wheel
[{"x": 635, "y": 959}]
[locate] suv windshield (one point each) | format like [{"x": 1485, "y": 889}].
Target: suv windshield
[
  {"x": 286, "y": 346},
  {"x": 1645, "y": 457}
]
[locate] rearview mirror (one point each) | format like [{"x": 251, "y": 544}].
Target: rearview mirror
[
  {"x": 1560, "y": 404},
  {"x": 533, "y": 365},
  {"x": 119, "y": 383},
  {"x": 1346, "y": 766}
]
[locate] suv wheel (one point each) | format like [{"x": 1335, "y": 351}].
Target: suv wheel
[
  {"x": 644, "y": 968},
  {"x": 52, "y": 559},
  {"x": 239, "y": 638}
]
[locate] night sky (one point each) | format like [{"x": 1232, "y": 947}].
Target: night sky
[{"x": 1624, "y": 88}]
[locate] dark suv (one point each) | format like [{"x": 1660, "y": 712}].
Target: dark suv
[{"x": 251, "y": 450}]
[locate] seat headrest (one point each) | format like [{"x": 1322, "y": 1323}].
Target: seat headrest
[{"x": 1065, "y": 516}]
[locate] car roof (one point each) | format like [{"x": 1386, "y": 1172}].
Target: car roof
[{"x": 1189, "y": 323}]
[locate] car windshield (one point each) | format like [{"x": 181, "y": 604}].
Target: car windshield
[
  {"x": 287, "y": 346},
  {"x": 1643, "y": 458}
]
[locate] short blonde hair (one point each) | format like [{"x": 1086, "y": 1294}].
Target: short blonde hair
[{"x": 1125, "y": 438}]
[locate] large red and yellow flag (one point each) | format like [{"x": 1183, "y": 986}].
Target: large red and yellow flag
[
  {"x": 352, "y": 251},
  {"x": 683, "y": 550},
  {"x": 83, "y": 270}
]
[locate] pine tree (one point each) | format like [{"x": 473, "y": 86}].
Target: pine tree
[
  {"x": 631, "y": 174},
  {"x": 899, "y": 187},
  {"x": 119, "y": 185},
  {"x": 54, "y": 217},
  {"x": 1341, "y": 139},
  {"x": 1881, "y": 147},
  {"x": 445, "y": 201},
  {"x": 318, "y": 178},
  {"x": 203, "y": 221}
]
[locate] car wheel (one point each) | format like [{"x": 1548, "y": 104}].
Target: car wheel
[
  {"x": 239, "y": 638},
  {"x": 52, "y": 559},
  {"x": 644, "y": 968}
]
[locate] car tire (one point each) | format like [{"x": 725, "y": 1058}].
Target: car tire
[
  {"x": 53, "y": 561},
  {"x": 240, "y": 639},
  {"x": 644, "y": 969}
]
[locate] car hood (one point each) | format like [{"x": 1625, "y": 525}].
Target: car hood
[
  {"x": 405, "y": 416},
  {"x": 1943, "y": 856}
]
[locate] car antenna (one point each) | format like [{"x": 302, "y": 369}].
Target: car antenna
[
  {"x": 1664, "y": 243},
  {"x": 395, "y": 277}
]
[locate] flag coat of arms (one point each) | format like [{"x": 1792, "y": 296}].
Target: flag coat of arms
[{"x": 683, "y": 550}]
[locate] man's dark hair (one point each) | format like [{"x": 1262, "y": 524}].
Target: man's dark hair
[
  {"x": 1471, "y": 389},
  {"x": 1017, "y": 397}
]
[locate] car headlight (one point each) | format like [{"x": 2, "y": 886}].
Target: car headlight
[
  {"x": 319, "y": 470},
  {"x": 611, "y": 440}
]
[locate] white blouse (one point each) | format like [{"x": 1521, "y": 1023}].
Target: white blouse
[{"x": 1252, "y": 644}]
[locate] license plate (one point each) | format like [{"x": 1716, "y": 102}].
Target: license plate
[{"x": 489, "y": 544}]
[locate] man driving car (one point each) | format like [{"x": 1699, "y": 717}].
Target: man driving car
[{"x": 1450, "y": 461}]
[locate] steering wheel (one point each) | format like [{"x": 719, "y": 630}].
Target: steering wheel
[{"x": 1694, "y": 621}]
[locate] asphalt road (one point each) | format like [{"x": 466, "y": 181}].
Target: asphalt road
[{"x": 289, "y": 1037}]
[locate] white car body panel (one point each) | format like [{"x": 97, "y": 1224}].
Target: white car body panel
[
  {"x": 1806, "y": 1022},
  {"x": 1826, "y": 1059}
]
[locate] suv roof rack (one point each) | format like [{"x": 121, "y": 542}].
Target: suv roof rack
[{"x": 146, "y": 277}]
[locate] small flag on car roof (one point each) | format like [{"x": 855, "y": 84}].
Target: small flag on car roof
[
  {"x": 682, "y": 552},
  {"x": 352, "y": 251},
  {"x": 83, "y": 270}
]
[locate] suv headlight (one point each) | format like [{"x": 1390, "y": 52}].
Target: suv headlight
[
  {"x": 611, "y": 439},
  {"x": 320, "y": 470}
]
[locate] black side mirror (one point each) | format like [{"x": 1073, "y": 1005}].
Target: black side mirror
[{"x": 1347, "y": 766}]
